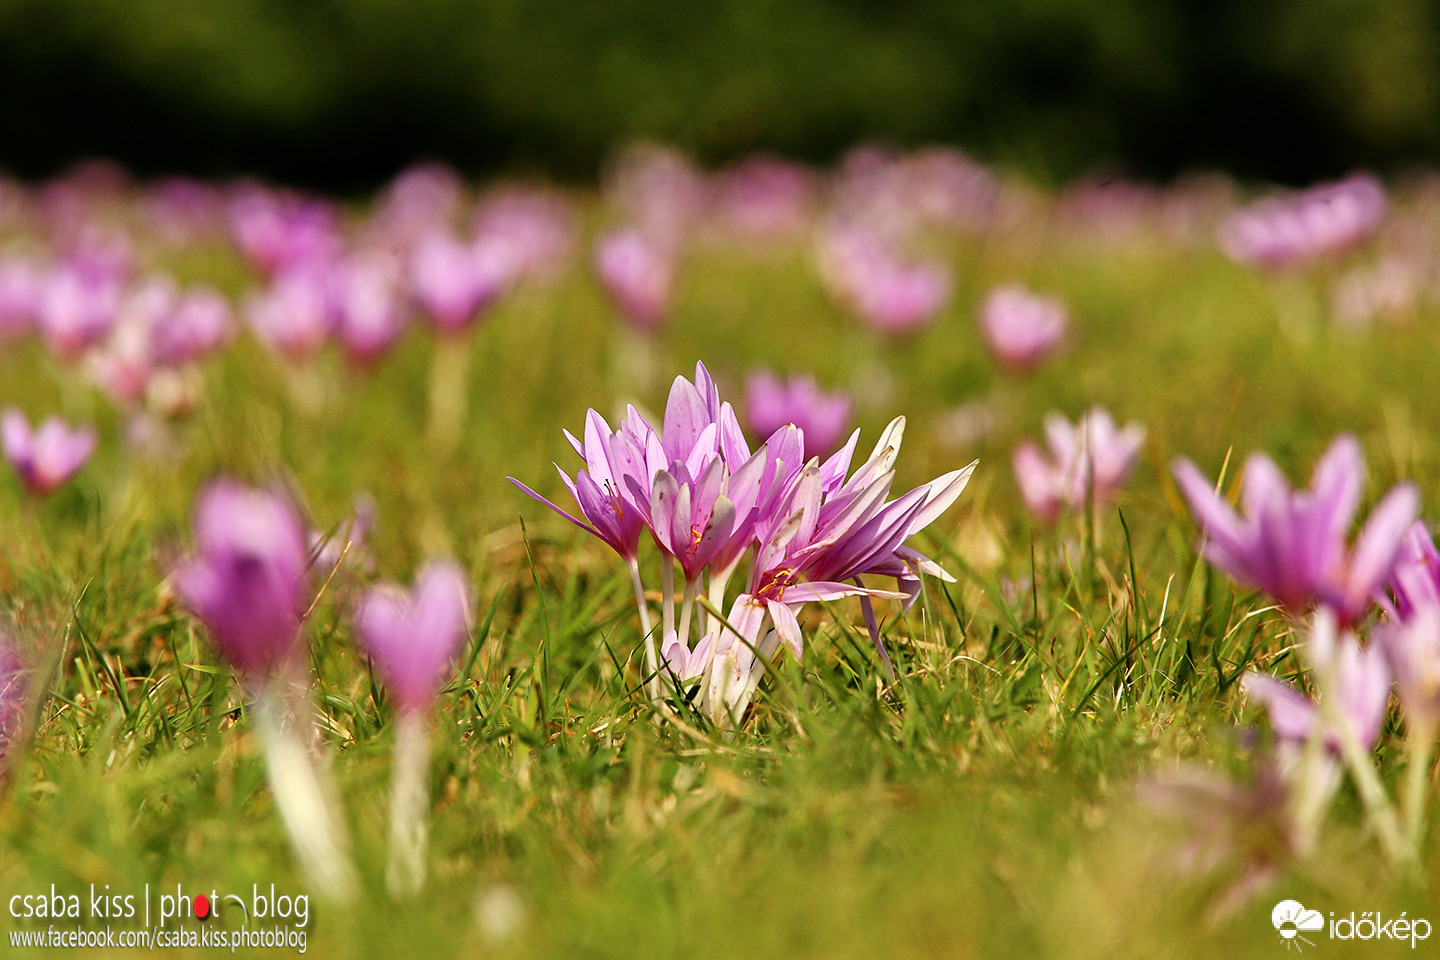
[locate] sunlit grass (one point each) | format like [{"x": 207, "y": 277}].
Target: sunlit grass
[{"x": 981, "y": 805}]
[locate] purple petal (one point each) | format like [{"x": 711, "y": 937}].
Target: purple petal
[
  {"x": 1337, "y": 483},
  {"x": 560, "y": 510},
  {"x": 1378, "y": 545},
  {"x": 686, "y": 415},
  {"x": 787, "y": 626},
  {"x": 664, "y": 494},
  {"x": 1291, "y": 713}
]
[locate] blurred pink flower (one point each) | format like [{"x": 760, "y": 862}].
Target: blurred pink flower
[
  {"x": 1362, "y": 687},
  {"x": 296, "y": 313},
  {"x": 1021, "y": 328},
  {"x": 764, "y": 197},
  {"x": 411, "y": 635},
  {"x": 950, "y": 189},
  {"x": 1088, "y": 460},
  {"x": 1292, "y": 545},
  {"x": 771, "y": 403},
  {"x": 47, "y": 457},
  {"x": 452, "y": 283},
  {"x": 1325, "y": 219},
  {"x": 530, "y": 232},
  {"x": 276, "y": 230},
  {"x": 76, "y": 309},
  {"x": 421, "y": 199},
  {"x": 369, "y": 314},
  {"x": 1415, "y": 582},
  {"x": 1412, "y": 650},
  {"x": 20, "y": 291},
  {"x": 639, "y": 275},
  {"x": 248, "y": 581},
  {"x": 199, "y": 323},
  {"x": 660, "y": 191},
  {"x": 889, "y": 294}
]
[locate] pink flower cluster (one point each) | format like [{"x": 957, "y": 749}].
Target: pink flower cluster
[
  {"x": 708, "y": 501},
  {"x": 868, "y": 273},
  {"x": 1294, "y": 546},
  {"x": 1323, "y": 220},
  {"x": 361, "y": 288},
  {"x": 1088, "y": 462}
]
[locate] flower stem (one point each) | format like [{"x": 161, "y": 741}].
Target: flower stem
[
  {"x": 1316, "y": 783},
  {"x": 687, "y": 607},
  {"x": 667, "y": 594},
  {"x": 449, "y": 386},
  {"x": 302, "y": 794},
  {"x": 408, "y": 832},
  {"x": 1362, "y": 771},
  {"x": 652, "y": 663},
  {"x": 1419, "y": 744},
  {"x": 717, "y": 597}
]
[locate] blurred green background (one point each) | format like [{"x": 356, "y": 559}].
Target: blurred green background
[{"x": 340, "y": 93}]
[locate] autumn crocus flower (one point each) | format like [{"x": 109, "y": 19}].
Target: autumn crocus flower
[
  {"x": 684, "y": 483},
  {"x": 821, "y": 538},
  {"x": 1087, "y": 461},
  {"x": 20, "y": 286},
  {"x": 421, "y": 198},
  {"x": 896, "y": 297},
  {"x": 451, "y": 283},
  {"x": 638, "y": 274},
  {"x": 45, "y": 458},
  {"x": 369, "y": 317},
  {"x": 660, "y": 191},
  {"x": 609, "y": 508},
  {"x": 1021, "y": 328},
  {"x": 1363, "y": 693},
  {"x": 1325, "y": 219},
  {"x": 1292, "y": 545},
  {"x": 411, "y": 637},
  {"x": 123, "y": 364},
  {"x": 531, "y": 232},
  {"x": 707, "y": 501},
  {"x": 892, "y": 295},
  {"x": 763, "y": 197},
  {"x": 295, "y": 314},
  {"x": 247, "y": 583},
  {"x": 279, "y": 231},
  {"x": 1246, "y": 825},
  {"x": 822, "y": 417},
  {"x": 76, "y": 309},
  {"x": 1414, "y": 585},
  {"x": 248, "y": 580},
  {"x": 1411, "y": 647},
  {"x": 1352, "y": 686},
  {"x": 199, "y": 323}
]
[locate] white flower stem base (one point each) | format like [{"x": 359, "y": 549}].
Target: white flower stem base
[
  {"x": 408, "y": 805},
  {"x": 652, "y": 660},
  {"x": 1420, "y": 744},
  {"x": 303, "y": 798}
]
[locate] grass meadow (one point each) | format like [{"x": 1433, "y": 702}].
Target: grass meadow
[{"x": 984, "y": 803}]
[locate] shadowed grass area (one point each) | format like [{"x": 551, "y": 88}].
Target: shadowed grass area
[{"x": 981, "y": 805}]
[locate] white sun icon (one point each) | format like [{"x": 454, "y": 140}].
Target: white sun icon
[{"x": 1290, "y": 918}]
